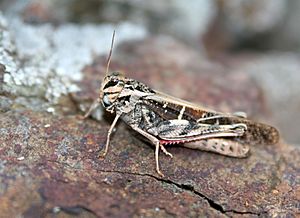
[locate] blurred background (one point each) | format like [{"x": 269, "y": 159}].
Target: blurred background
[{"x": 257, "y": 37}]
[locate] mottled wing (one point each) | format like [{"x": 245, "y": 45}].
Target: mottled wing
[
  {"x": 174, "y": 107},
  {"x": 171, "y": 108}
]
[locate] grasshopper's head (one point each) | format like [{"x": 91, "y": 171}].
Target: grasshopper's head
[{"x": 112, "y": 86}]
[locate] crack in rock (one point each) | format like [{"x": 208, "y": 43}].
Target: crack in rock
[{"x": 189, "y": 188}]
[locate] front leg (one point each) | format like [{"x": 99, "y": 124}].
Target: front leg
[
  {"x": 109, "y": 133},
  {"x": 94, "y": 105}
]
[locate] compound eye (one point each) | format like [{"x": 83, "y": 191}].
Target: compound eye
[{"x": 106, "y": 101}]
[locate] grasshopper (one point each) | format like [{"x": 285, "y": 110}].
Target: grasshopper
[{"x": 165, "y": 120}]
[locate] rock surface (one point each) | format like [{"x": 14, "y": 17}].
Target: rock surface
[{"x": 49, "y": 163}]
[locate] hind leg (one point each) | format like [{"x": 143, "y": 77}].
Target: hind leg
[{"x": 221, "y": 146}]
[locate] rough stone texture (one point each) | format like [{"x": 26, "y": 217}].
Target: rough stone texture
[
  {"x": 44, "y": 61},
  {"x": 49, "y": 164}
]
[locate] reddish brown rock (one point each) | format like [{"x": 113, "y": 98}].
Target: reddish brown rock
[{"x": 49, "y": 163}]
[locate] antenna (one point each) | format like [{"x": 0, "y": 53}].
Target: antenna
[{"x": 110, "y": 53}]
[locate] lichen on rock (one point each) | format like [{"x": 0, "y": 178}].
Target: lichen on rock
[{"x": 44, "y": 61}]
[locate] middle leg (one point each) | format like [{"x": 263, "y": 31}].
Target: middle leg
[{"x": 158, "y": 146}]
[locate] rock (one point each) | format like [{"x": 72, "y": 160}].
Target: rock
[
  {"x": 40, "y": 62},
  {"x": 49, "y": 163}
]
